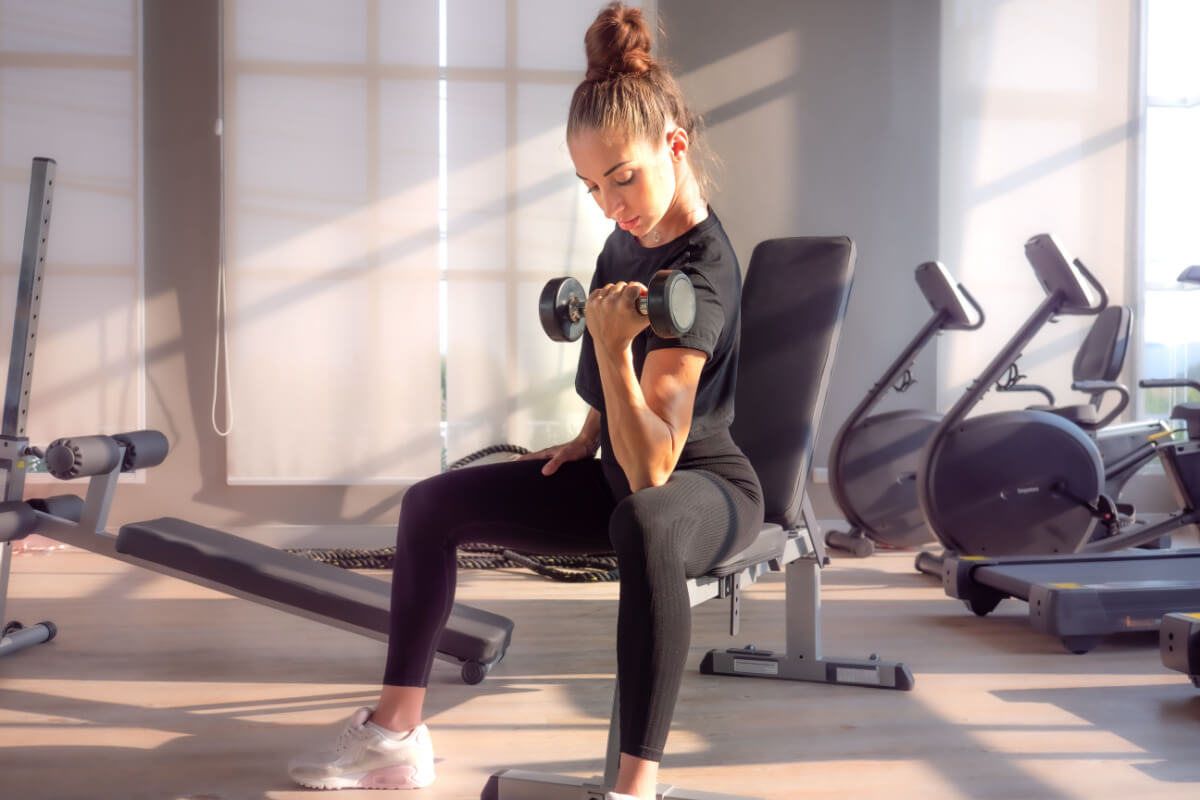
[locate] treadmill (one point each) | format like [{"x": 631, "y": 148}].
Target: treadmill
[
  {"x": 1082, "y": 597},
  {"x": 1110, "y": 585}
]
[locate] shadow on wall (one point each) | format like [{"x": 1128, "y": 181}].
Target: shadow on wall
[{"x": 825, "y": 116}]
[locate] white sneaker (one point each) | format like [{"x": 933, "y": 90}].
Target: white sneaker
[
  {"x": 618, "y": 796},
  {"x": 364, "y": 756}
]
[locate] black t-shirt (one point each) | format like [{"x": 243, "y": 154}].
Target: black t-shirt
[{"x": 705, "y": 255}]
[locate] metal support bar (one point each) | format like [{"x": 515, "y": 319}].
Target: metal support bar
[
  {"x": 802, "y": 613},
  {"x": 26, "y": 637},
  {"x": 5, "y": 569},
  {"x": 13, "y": 443},
  {"x": 735, "y": 606},
  {"x": 29, "y": 300}
]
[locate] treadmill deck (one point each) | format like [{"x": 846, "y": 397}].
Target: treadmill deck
[{"x": 1081, "y": 598}]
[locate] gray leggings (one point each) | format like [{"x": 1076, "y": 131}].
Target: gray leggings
[{"x": 662, "y": 536}]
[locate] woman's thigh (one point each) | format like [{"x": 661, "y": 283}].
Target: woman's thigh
[
  {"x": 513, "y": 504},
  {"x": 697, "y": 516}
]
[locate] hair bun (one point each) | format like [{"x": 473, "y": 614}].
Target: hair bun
[{"x": 617, "y": 43}]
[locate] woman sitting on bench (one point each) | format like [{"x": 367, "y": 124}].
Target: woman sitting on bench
[{"x": 671, "y": 493}]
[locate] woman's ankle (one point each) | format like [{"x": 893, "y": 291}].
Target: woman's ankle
[
  {"x": 399, "y": 708},
  {"x": 637, "y": 777}
]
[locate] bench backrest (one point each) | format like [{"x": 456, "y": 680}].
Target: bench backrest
[{"x": 793, "y": 303}]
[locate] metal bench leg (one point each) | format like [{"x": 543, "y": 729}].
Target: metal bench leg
[{"x": 803, "y": 660}]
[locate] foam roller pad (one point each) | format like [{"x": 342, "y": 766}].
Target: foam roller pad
[
  {"x": 143, "y": 449},
  {"x": 66, "y": 506},
  {"x": 17, "y": 520},
  {"x": 82, "y": 456}
]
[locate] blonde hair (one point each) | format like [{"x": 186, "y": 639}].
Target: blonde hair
[{"x": 628, "y": 92}]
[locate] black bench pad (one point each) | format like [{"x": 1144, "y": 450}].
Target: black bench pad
[
  {"x": 321, "y": 589},
  {"x": 769, "y": 544}
]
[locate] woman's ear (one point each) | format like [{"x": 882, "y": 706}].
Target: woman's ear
[{"x": 677, "y": 143}]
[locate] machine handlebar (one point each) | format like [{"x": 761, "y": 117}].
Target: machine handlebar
[
  {"x": 947, "y": 299},
  {"x": 1059, "y": 274},
  {"x": 1169, "y": 383}
]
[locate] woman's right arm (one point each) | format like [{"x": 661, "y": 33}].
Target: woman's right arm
[{"x": 584, "y": 445}]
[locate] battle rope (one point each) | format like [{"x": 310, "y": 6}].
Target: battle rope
[{"x": 568, "y": 568}]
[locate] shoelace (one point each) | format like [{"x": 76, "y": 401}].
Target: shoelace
[{"x": 346, "y": 737}]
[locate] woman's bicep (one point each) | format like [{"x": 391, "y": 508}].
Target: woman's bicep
[{"x": 670, "y": 377}]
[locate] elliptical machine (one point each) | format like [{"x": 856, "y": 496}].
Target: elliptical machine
[
  {"x": 873, "y": 461},
  {"x": 1028, "y": 481}
]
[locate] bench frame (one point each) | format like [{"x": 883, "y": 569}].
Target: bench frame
[{"x": 800, "y": 553}]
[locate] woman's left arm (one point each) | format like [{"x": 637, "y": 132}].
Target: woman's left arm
[{"x": 649, "y": 421}]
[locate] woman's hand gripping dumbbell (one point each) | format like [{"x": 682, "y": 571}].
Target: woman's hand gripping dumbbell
[{"x": 669, "y": 301}]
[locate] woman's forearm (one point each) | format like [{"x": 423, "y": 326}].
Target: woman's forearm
[{"x": 644, "y": 444}]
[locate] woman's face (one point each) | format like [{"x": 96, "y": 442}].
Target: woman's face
[{"x": 633, "y": 182}]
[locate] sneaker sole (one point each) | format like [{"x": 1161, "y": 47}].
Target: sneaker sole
[{"x": 386, "y": 778}]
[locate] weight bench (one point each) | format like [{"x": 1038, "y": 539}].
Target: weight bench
[
  {"x": 474, "y": 639},
  {"x": 793, "y": 303}
]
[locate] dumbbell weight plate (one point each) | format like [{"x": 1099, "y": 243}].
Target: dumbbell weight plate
[
  {"x": 671, "y": 303},
  {"x": 554, "y": 309}
]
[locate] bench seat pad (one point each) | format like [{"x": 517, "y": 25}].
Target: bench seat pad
[{"x": 768, "y": 545}]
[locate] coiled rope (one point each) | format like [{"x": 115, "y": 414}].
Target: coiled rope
[{"x": 568, "y": 568}]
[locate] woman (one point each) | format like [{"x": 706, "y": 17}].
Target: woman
[{"x": 671, "y": 493}]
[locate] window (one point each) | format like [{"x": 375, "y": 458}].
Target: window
[
  {"x": 397, "y": 191},
  {"x": 70, "y": 90},
  {"x": 1171, "y": 199}
]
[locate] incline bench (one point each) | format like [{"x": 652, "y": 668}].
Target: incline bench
[{"x": 475, "y": 639}]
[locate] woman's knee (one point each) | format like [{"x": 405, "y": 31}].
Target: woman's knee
[
  {"x": 627, "y": 526},
  {"x": 423, "y": 510},
  {"x": 643, "y": 526}
]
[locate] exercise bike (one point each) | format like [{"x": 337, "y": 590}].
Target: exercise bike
[
  {"x": 1125, "y": 448},
  {"x": 1027, "y": 481},
  {"x": 994, "y": 489},
  {"x": 873, "y": 460}
]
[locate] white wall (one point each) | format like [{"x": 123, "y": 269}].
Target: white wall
[
  {"x": 826, "y": 118},
  {"x": 1038, "y": 134}
]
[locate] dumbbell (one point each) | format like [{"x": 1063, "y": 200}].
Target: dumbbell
[{"x": 669, "y": 301}]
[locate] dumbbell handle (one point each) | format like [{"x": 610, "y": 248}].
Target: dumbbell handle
[{"x": 576, "y": 308}]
